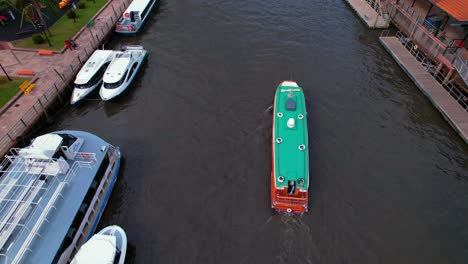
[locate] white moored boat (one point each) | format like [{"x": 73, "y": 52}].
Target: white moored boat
[
  {"x": 90, "y": 75},
  {"x": 106, "y": 247},
  {"x": 121, "y": 71},
  {"x": 134, "y": 16},
  {"x": 52, "y": 195}
]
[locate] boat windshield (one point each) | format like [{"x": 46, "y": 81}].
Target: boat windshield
[
  {"x": 97, "y": 78},
  {"x": 123, "y": 55},
  {"x": 117, "y": 84}
]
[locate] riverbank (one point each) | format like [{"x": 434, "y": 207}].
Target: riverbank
[
  {"x": 53, "y": 73},
  {"x": 455, "y": 115}
]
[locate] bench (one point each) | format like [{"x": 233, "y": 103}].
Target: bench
[
  {"x": 24, "y": 72},
  {"x": 27, "y": 86},
  {"x": 45, "y": 52}
]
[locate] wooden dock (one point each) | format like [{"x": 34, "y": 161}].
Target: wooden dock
[
  {"x": 368, "y": 14},
  {"x": 440, "y": 98}
]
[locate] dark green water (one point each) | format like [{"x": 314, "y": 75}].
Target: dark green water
[{"x": 389, "y": 181}]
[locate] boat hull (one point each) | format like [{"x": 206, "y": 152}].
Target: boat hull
[
  {"x": 79, "y": 94},
  {"x": 289, "y": 152},
  {"x": 121, "y": 239}
]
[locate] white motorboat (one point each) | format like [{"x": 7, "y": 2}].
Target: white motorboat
[
  {"x": 90, "y": 75},
  {"x": 135, "y": 16},
  {"x": 121, "y": 71},
  {"x": 106, "y": 247}
]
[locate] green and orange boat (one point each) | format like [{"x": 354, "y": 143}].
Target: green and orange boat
[{"x": 290, "y": 151}]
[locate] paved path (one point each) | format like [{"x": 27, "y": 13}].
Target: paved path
[
  {"x": 440, "y": 98},
  {"x": 43, "y": 66},
  {"x": 368, "y": 14}
]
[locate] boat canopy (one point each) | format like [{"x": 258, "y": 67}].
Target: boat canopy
[
  {"x": 93, "y": 64},
  {"x": 43, "y": 147},
  {"x": 100, "y": 249}
]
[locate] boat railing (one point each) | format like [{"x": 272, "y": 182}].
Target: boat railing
[{"x": 21, "y": 194}]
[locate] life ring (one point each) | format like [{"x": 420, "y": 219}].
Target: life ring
[
  {"x": 301, "y": 147},
  {"x": 280, "y": 178},
  {"x": 300, "y": 116},
  {"x": 279, "y": 140},
  {"x": 289, "y": 210},
  {"x": 279, "y": 114},
  {"x": 127, "y": 15}
]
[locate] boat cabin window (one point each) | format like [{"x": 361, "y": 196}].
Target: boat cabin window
[
  {"x": 145, "y": 11},
  {"x": 68, "y": 139},
  {"x": 290, "y": 104},
  {"x": 97, "y": 77},
  {"x": 132, "y": 15},
  {"x": 116, "y": 84},
  {"x": 132, "y": 69}
]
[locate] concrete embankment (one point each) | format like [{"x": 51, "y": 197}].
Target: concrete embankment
[
  {"x": 456, "y": 116},
  {"x": 367, "y": 14}
]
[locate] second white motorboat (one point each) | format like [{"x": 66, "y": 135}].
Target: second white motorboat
[
  {"x": 121, "y": 71},
  {"x": 90, "y": 75},
  {"x": 107, "y": 246}
]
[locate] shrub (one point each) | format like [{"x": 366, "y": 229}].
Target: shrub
[
  {"x": 37, "y": 39},
  {"x": 81, "y": 5},
  {"x": 71, "y": 14}
]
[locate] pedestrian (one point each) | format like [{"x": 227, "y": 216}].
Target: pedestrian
[
  {"x": 67, "y": 43},
  {"x": 72, "y": 43}
]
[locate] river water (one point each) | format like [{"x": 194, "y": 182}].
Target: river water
[{"x": 389, "y": 179}]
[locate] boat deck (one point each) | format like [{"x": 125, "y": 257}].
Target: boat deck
[{"x": 38, "y": 202}]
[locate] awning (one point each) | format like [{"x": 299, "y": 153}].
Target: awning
[{"x": 458, "y": 9}]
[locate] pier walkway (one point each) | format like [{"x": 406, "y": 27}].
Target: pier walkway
[
  {"x": 368, "y": 14},
  {"x": 440, "y": 98},
  {"x": 23, "y": 111}
]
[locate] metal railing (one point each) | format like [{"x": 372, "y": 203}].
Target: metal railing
[
  {"x": 462, "y": 68},
  {"x": 452, "y": 89},
  {"x": 40, "y": 108},
  {"x": 418, "y": 29}
]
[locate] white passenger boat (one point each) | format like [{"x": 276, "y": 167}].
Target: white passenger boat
[
  {"x": 106, "y": 247},
  {"x": 134, "y": 16},
  {"x": 90, "y": 75},
  {"x": 121, "y": 71},
  {"x": 52, "y": 195}
]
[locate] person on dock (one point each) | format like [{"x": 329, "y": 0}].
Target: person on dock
[
  {"x": 67, "y": 43},
  {"x": 72, "y": 43}
]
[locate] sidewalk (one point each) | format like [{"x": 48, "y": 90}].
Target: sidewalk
[
  {"x": 65, "y": 62},
  {"x": 440, "y": 98}
]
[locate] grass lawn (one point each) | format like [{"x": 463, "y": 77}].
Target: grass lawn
[
  {"x": 64, "y": 28},
  {"x": 9, "y": 89}
]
